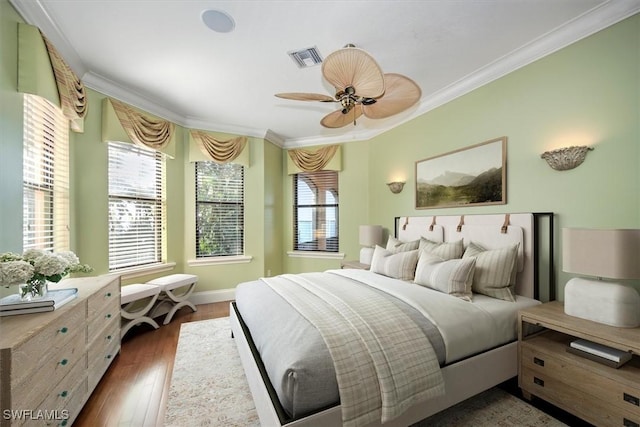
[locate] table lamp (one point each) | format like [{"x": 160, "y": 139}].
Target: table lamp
[
  {"x": 599, "y": 253},
  {"x": 370, "y": 236}
]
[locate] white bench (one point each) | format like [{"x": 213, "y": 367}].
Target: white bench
[
  {"x": 133, "y": 311},
  {"x": 175, "y": 291}
]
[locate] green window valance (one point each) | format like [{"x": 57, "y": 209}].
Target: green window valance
[
  {"x": 328, "y": 157},
  {"x": 204, "y": 145},
  {"x": 42, "y": 71},
  {"x": 124, "y": 123}
]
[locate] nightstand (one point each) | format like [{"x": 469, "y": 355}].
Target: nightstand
[
  {"x": 597, "y": 393},
  {"x": 355, "y": 264}
]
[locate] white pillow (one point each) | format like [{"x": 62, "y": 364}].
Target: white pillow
[
  {"x": 444, "y": 250},
  {"x": 493, "y": 270},
  {"x": 453, "y": 277},
  {"x": 394, "y": 245},
  {"x": 401, "y": 265}
]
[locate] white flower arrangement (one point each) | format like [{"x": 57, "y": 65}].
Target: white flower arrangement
[{"x": 36, "y": 267}]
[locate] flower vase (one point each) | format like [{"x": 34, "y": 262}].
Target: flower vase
[{"x": 33, "y": 290}]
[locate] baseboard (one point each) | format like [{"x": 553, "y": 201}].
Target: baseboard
[{"x": 208, "y": 297}]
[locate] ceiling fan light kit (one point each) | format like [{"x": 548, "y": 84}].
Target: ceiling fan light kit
[{"x": 361, "y": 88}]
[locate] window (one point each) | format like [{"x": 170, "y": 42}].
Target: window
[
  {"x": 219, "y": 209},
  {"x": 136, "y": 206},
  {"x": 45, "y": 176},
  {"x": 316, "y": 211}
]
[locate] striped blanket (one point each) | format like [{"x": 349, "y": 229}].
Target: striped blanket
[{"x": 384, "y": 363}]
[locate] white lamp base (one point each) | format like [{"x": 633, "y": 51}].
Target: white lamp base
[
  {"x": 366, "y": 255},
  {"x": 610, "y": 303}
]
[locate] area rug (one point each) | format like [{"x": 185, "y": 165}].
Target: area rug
[{"x": 208, "y": 388}]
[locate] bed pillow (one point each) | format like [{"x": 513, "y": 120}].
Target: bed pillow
[
  {"x": 444, "y": 250},
  {"x": 453, "y": 277},
  {"x": 394, "y": 245},
  {"x": 492, "y": 276},
  {"x": 401, "y": 265}
]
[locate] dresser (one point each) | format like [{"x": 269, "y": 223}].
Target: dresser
[
  {"x": 51, "y": 362},
  {"x": 593, "y": 391}
]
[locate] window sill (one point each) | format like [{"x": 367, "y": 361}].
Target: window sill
[
  {"x": 241, "y": 259},
  {"x": 133, "y": 272},
  {"x": 313, "y": 254}
]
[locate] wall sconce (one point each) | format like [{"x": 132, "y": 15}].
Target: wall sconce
[
  {"x": 566, "y": 158},
  {"x": 396, "y": 186}
]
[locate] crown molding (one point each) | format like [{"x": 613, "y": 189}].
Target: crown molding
[{"x": 592, "y": 21}]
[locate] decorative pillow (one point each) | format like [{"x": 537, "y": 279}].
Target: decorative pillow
[
  {"x": 401, "y": 265},
  {"x": 394, "y": 245},
  {"x": 453, "y": 277},
  {"x": 444, "y": 250},
  {"x": 493, "y": 270}
]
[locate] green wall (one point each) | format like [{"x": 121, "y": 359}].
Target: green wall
[{"x": 587, "y": 93}]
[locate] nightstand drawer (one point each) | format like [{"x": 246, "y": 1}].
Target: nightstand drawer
[
  {"x": 593, "y": 409},
  {"x": 578, "y": 373}
]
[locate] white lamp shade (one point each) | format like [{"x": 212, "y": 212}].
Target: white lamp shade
[
  {"x": 613, "y": 254},
  {"x": 370, "y": 235}
]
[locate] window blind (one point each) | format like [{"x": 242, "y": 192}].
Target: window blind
[
  {"x": 219, "y": 209},
  {"x": 316, "y": 211},
  {"x": 45, "y": 176},
  {"x": 136, "y": 205}
]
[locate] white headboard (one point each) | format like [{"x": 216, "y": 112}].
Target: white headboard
[{"x": 490, "y": 231}]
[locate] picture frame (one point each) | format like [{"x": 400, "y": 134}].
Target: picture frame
[{"x": 471, "y": 176}]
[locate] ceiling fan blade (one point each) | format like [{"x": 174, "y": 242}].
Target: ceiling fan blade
[
  {"x": 351, "y": 66},
  {"x": 337, "y": 119},
  {"x": 401, "y": 93},
  {"x": 296, "y": 96}
]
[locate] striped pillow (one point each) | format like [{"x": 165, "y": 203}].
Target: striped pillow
[
  {"x": 453, "y": 277},
  {"x": 394, "y": 245},
  {"x": 444, "y": 250},
  {"x": 399, "y": 266},
  {"x": 493, "y": 270}
]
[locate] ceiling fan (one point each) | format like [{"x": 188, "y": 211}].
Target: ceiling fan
[{"x": 361, "y": 88}]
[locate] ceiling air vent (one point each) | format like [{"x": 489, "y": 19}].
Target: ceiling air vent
[{"x": 306, "y": 57}]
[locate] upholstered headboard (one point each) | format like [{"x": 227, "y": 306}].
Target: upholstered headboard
[{"x": 492, "y": 231}]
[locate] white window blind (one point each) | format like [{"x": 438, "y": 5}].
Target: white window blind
[
  {"x": 316, "y": 211},
  {"x": 136, "y": 206},
  {"x": 219, "y": 209},
  {"x": 45, "y": 176}
]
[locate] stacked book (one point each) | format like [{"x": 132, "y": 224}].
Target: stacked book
[
  {"x": 599, "y": 353},
  {"x": 56, "y": 298}
]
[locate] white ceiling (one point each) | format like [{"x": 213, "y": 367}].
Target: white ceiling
[{"x": 160, "y": 57}]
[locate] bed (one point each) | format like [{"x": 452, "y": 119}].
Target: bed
[{"x": 458, "y": 343}]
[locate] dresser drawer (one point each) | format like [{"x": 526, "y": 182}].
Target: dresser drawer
[
  {"x": 106, "y": 296},
  {"x": 100, "y": 361},
  {"x": 578, "y": 373},
  {"x": 97, "y": 323},
  {"x": 49, "y": 340},
  {"x": 69, "y": 394}
]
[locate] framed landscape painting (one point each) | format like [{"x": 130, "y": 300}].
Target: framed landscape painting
[{"x": 471, "y": 176}]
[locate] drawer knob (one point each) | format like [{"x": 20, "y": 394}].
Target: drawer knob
[
  {"x": 63, "y": 330},
  {"x": 108, "y": 337},
  {"x": 538, "y": 381},
  {"x": 538, "y": 361},
  {"x": 631, "y": 399},
  {"x": 108, "y": 356},
  {"x": 108, "y": 294},
  {"x": 64, "y": 362},
  {"x": 63, "y": 394},
  {"x": 628, "y": 423}
]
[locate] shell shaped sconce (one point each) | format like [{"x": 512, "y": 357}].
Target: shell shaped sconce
[
  {"x": 396, "y": 186},
  {"x": 566, "y": 158}
]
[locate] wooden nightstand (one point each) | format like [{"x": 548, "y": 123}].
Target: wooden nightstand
[
  {"x": 355, "y": 264},
  {"x": 599, "y": 394}
]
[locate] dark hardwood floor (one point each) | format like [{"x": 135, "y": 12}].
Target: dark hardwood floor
[{"x": 134, "y": 390}]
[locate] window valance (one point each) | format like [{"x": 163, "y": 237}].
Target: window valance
[
  {"x": 42, "y": 71},
  {"x": 209, "y": 146},
  {"x": 124, "y": 123},
  {"x": 328, "y": 157}
]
